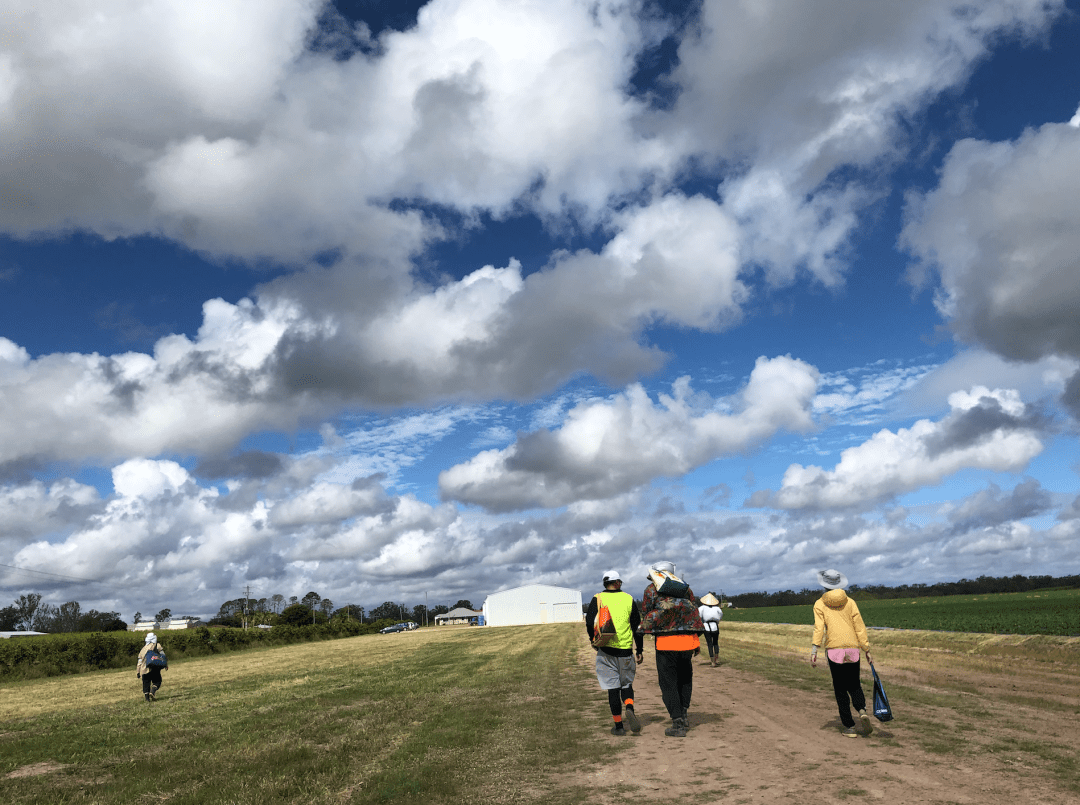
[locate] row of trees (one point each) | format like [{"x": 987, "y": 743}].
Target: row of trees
[
  {"x": 983, "y": 585},
  {"x": 29, "y": 614},
  {"x": 313, "y": 608}
]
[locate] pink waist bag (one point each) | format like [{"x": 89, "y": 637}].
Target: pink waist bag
[{"x": 839, "y": 655}]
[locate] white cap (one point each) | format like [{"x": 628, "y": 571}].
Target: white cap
[
  {"x": 612, "y": 575},
  {"x": 151, "y": 638}
]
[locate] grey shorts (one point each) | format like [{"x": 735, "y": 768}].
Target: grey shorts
[{"x": 614, "y": 673}]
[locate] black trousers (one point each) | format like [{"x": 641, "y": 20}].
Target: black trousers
[
  {"x": 713, "y": 641},
  {"x": 675, "y": 672},
  {"x": 151, "y": 676},
  {"x": 848, "y": 690}
]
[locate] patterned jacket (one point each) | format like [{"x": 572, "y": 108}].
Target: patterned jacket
[{"x": 664, "y": 614}]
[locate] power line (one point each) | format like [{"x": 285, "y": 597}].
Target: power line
[{"x": 54, "y": 575}]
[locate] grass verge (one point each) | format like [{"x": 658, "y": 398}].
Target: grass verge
[{"x": 438, "y": 716}]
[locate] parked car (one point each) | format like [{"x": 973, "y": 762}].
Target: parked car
[{"x": 397, "y": 627}]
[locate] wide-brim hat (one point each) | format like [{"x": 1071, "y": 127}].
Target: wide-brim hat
[
  {"x": 832, "y": 579},
  {"x": 667, "y": 567},
  {"x": 710, "y": 600}
]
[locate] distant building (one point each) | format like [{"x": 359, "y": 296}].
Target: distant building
[
  {"x": 162, "y": 626},
  {"x": 533, "y": 603},
  {"x": 460, "y": 617},
  {"x": 5, "y": 635}
]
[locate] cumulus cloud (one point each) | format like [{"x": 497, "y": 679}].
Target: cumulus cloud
[
  {"x": 612, "y": 446},
  {"x": 796, "y": 93},
  {"x": 1001, "y": 233},
  {"x": 985, "y": 429}
]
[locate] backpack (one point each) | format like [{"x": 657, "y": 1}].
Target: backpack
[
  {"x": 604, "y": 628},
  {"x": 155, "y": 658},
  {"x": 668, "y": 584}
]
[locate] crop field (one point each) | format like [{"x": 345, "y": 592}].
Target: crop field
[{"x": 1048, "y": 612}]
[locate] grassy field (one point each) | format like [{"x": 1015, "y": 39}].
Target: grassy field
[
  {"x": 1049, "y": 612},
  {"x": 444, "y": 716},
  {"x": 438, "y": 716}
]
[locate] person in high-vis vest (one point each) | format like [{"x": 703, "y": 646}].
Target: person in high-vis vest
[{"x": 615, "y": 662}]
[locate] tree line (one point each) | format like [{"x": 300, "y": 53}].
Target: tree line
[
  {"x": 29, "y": 614},
  {"x": 983, "y": 585},
  {"x": 313, "y": 608}
]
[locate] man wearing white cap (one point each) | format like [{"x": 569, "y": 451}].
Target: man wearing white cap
[{"x": 612, "y": 623}]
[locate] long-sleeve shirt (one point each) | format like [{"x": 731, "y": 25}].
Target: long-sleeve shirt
[{"x": 837, "y": 620}]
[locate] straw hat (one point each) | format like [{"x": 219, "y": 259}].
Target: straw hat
[{"x": 710, "y": 600}]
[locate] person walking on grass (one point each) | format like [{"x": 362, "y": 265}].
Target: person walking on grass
[
  {"x": 710, "y": 616},
  {"x": 150, "y": 674},
  {"x": 612, "y": 623},
  {"x": 670, "y": 616},
  {"x": 839, "y": 623}
]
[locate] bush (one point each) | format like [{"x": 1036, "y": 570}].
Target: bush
[{"x": 56, "y": 655}]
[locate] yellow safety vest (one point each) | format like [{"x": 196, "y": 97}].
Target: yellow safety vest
[{"x": 620, "y": 605}]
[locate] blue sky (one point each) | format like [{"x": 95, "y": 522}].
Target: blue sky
[{"x": 437, "y": 299}]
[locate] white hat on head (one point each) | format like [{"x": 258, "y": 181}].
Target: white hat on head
[
  {"x": 612, "y": 575},
  {"x": 832, "y": 579},
  {"x": 151, "y": 638},
  {"x": 667, "y": 567}
]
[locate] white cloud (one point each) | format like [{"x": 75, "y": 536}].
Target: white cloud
[
  {"x": 609, "y": 447},
  {"x": 795, "y": 91},
  {"x": 1003, "y": 233},
  {"x": 990, "y": 430}
]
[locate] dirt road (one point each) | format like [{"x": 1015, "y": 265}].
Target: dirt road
[{"x": 959, "y": 736}]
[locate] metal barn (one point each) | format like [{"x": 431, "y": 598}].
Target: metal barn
[{"x": 533, "y": 603}]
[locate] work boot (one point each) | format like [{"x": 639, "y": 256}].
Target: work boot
[
  {"x": 147, "y": 697},
  {"x": 632, "y": 720},
  {"x": 619, "y": 730},
  {"x": 714, "y": 660},
  {"x": 153, "y": 693},
  {"x": 677, "y": 729}
]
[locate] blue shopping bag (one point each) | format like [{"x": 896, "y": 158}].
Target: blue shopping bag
[{"x": 882, "y": 710}]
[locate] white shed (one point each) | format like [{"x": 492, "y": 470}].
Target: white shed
[{"x": 533, "y": 603}]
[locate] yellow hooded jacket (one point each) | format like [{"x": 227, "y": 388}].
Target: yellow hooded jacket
[{"x": 837, "y": 619}]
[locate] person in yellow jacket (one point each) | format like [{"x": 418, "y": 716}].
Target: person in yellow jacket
[
  {"x": 615, "y": 661},
  {"x": 838, "y": 622}
]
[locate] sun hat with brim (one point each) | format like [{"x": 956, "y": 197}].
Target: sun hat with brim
[
  {"x": 832, "y": 579},
  {"x": 612, "y": 575},
  {"x": 151, "y": 638},
  {"x": 710, "y": 600},
  {"x": 667, "y": 567}
]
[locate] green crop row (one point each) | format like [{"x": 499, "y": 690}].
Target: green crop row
[{"x": 1047, "y": 612}]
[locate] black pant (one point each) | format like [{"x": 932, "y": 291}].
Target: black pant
[
  {"x": 712, "y": 639},
  {"x": 845, "y": 682},
  {"x": 676, "y": 674},
  {"x": 151, "y": 676}
]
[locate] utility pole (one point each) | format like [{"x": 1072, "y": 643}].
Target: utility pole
[
  {"x": 425, "y": 609},
  {"x": 247, "y": 605}
]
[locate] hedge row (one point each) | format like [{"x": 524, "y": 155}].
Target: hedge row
[{"x": 75, "y": 653}]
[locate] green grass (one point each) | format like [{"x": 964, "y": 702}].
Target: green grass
[
  {"x": 449, "y": 716},
  {"x": 1048, "y": 612}
]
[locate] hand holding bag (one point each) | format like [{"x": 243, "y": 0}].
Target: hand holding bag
[{"x": 882, "y": 710}]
